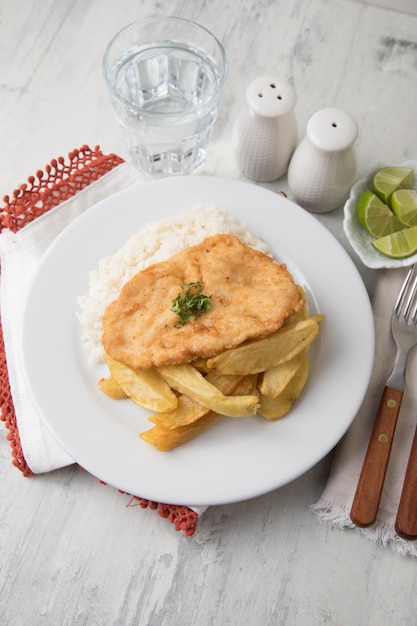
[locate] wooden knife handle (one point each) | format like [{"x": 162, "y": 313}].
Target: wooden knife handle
[
  {"x": 371, "y": 481},
  {"x": 406, "y": 521}
]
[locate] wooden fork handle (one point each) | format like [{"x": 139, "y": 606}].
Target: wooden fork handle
[
  {"x": 371, "y": 481},
  {"x": 406, "y": 521}
]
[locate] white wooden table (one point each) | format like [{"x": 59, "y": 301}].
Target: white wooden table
[{"x": 71, "y": 550}]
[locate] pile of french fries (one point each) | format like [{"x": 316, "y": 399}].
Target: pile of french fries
[{"x": 264, "y": 376}]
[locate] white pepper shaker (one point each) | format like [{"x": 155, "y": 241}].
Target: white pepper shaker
[
  {"x": 265, "y": 132},
  {"x": 323, "y": 166}
]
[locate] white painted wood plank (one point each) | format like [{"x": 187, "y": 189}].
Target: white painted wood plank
[{"x": 71, "y": 551}]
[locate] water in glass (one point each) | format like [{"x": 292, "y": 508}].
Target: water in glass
[{"x": 179, "y": 82}]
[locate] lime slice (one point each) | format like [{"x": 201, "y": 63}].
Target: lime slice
[
  {"x": 398, "y": 245},
  {"x": 404, "y": 205},
  {"x": 375, "y": 216},
  {"x": 389, "y": 179}
]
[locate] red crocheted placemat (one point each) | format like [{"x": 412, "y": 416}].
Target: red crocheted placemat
[{"x": 61, "y": 180}]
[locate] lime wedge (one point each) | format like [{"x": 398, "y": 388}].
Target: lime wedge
[
  {"x": 375, "y": 216},
  {"x": 398, "y": 245},
  {"x": 389, "y": 179},
  {"x": 404, "y": 205}
]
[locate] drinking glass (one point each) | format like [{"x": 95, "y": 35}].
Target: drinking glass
[{"x": 165, "y": 77}]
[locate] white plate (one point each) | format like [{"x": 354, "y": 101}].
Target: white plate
[
  {"x": 236, "y": 459},
  {"x": 359, "y": 239}
]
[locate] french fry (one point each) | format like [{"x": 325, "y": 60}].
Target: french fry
[
  {"x": 247, "y": 386},
  {"x": 275, "y": 408},
  {"x": 111, "y": 388},
  {"x": 201, "y": 365},
  {"x": 275, "y": 379},
  {"x": 188, "y": 411},
  {"x": 165, "y": 439},
  {"x": 261, "y": 354},
  {"x": 190, "y": 382},
  {"x": 146, "y": 388},
  {"x": 318, "y": 317}
]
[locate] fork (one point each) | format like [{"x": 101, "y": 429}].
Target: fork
[{"x": 371, "y": 481}]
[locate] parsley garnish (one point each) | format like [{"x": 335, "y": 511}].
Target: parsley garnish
[{"x": 190, "y": 302}]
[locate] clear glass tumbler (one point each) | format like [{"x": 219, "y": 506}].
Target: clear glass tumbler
[{"x": 165, "y": 77}]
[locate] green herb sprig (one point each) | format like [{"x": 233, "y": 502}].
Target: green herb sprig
[{"x": 190, "y": 302}]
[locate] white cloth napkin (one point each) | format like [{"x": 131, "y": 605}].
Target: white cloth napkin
[
  {"x": 20, "y": 254},
  {"x": 334, "y": 505}
]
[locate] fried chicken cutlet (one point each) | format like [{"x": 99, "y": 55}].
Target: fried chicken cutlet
[{"x": 251, "y": 295}]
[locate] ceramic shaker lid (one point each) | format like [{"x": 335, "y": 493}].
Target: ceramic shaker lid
[
  {"x": 332, "y": 130},
  {"x": 269, "y": 96}
]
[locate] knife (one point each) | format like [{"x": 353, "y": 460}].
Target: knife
[{"x": 406, "y": 520}]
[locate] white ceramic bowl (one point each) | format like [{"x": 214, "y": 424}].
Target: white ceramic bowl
[{"x": 359, "y": 239}]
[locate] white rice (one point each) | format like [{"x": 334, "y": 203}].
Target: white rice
[{"x": 156, "y": 242}]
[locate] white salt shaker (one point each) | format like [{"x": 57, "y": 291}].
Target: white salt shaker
[
  {"x": 265, "y": 132},
  {"x": 323, "y": 166}
]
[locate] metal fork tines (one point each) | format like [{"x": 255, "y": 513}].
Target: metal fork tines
[
  {"x": 403, "y": 326},
  {"x": 371, "y": 481}
]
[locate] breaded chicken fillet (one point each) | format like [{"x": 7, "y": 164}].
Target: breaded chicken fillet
[{"x": 251, "y": 296}]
